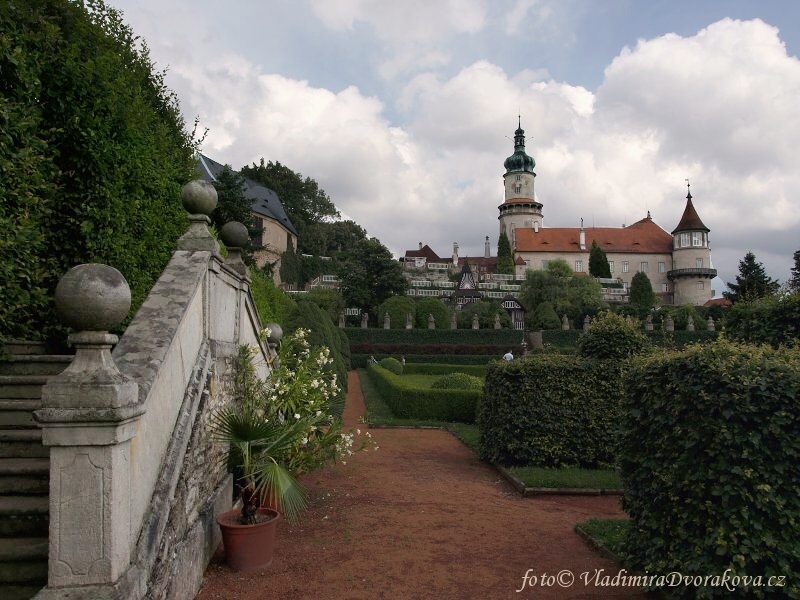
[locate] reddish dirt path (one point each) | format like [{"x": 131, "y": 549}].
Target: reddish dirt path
[{"x": 422, "y": 517}]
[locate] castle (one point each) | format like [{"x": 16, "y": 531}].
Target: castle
[{"x": 677, "y": 264}]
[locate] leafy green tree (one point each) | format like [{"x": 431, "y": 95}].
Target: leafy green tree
[
  {"x": 486, "y": 311},
  {"x": 232, "y": 204},
  {"x": 642, "y": 295},
  {"x": 396, "y": 307},
  {"x": 505, "y": 258},
  {"x": 328, "y": 238},
  {"x": 435, "y": 307},
  {"x": 291, "y": 270},
  {"x": 567, "y": 293},
  {"x": 329, "y": 300},
  {"x": 611, "y": 336},
  {"x": 598, "y": 262},
  {"x": 545, "y": 317},
  {"x": 272, "y": 304},
  {"x": 794, "y": 280},
  {"x": 368, "y": 275},
  {"x": 304, "y": 201},
  {"x": 752, "y": 281},
  {"x": 93, "y": 155}
]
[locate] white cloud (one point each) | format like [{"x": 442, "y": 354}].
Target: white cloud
[{"x": 717, "y": 107}]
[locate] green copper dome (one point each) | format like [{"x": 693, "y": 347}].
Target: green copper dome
[{"x": 519, "y": 161}]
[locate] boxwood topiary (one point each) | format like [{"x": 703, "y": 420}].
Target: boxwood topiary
[
  {"x": 611, "y": 336},
  {"x": 393, "y": 365},
  {"x": 458, "y": 381}
]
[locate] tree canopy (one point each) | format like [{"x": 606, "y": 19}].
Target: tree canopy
[
  {"x": 598, "y": 262},
  {"x": 505, "y": 258},
  {"x": 752, "y": 281},
  {"x": 566, "y": 293},
  {"x": 642, "y": 295},
  {"x": 369, "y": 274},
  {"x": 93, "y": 156},
  {"x": 794, "y": 280}
]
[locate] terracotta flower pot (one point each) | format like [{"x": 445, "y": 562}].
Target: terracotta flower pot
[{"x": 248, "y": 547}]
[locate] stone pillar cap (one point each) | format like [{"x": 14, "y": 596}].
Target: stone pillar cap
[{"x": 92, "y": 297}]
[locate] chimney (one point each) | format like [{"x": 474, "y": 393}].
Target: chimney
[
  {"x": 420, "y": 245},
  {"x": 455, "y": 254},
  {"x": 536, "y": 226},
  {"x": 582, "y": 237},
  {"x": 487, "y": 251}
]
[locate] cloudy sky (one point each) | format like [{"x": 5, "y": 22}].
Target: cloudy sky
[{"x": 404, "y": 111}]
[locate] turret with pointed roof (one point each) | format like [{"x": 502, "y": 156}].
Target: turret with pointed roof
[{"x": 691, "y": 272}]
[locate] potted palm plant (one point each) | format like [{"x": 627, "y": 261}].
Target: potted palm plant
[{"x": 259, "y": 451}]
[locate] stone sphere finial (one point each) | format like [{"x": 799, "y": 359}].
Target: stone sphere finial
[
  {"x": 234, "y": 234},
  {"x": 199, "y": 197},
  {"x": 275, "y": 333},
  {"x": 92, "y": 297}
]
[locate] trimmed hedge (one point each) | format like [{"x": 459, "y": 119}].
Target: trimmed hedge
[
  {"x": 447, "y": 349},
  {"x": 393, "y": 365},
  {"x": 474, "y": 337},
  {"x": 560, "y": 339},
  {"x": 428, "y": 369},
  {"x": 423, "y": 403},
  {"x": 457, "y": 381},
  {"x": 551, "y": 411},
  {"x": 710, "y": 459},
  {"x": 773, "y": 320},
  {"x": 361, "y": 361}
]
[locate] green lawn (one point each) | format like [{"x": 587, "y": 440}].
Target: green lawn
[
  {"x": 378, "y": 413},
  {"x": 607, "y": 533},
  {"x": 573, "y": 478}
]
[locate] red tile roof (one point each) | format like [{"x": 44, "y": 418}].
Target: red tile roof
[
  {"x": 642, "y": 237},
  {"x": 717, "y": 302}
]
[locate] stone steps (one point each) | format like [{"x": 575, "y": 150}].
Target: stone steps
[{"x": 24, "y": 469}]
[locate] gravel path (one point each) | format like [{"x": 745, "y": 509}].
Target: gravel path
[{"x": 422, "y": 517}]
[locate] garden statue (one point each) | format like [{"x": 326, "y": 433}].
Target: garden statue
[
  {"x": 710, "y": 324},
  {"x": 690, "y": 324},
  {"x": 387, "y": 321},
  {"x": 648, "y": 324},
  {"x": 409, "y": 321},
  {"x": 586, "y": 321},
  {"x": 564, "y": 323},
  {"x": 475, "y": 323},
  {"x": 341, "y": 319},
  {"x": 364, "y": 320},
  {"x": 497, "y": 322},
  {"x": 669, "y": 324},
  {"x": 453, "y": 322},
  {"x": 431, "y": 322}
]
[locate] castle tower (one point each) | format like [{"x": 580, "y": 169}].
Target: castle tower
[
  {"x": 520, "y": 208},
  {"x": 691, "y": 272}
]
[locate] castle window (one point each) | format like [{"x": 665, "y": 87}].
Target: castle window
[
  {"x": 611, "y": 266},
  {"x": 545, "y": 264},
  {"x": 698, "y": 263},
  {"x": 685, "y": 240},
  {"x": 697, "y": 238},
  {"x": 662, "y": 267},
  {"x": 519, "y": 177},
  {"x": 517, "y": 189},
  {"x": 579, "y": 266},
  {"x": 700, "y": 285},
  {"x": 625, "y": 266},
  {"x": 664, "y": 287},
  {"x": 644, "y": 267}
]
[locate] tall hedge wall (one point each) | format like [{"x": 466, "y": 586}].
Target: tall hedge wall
[
  {"x": 361, "y": 361},
  {"x": 501, "y": 337},
  {"x": 550, "y": 410},
  {"x": 710, "y": 459},
  {"x": 407, "y": 401}
]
